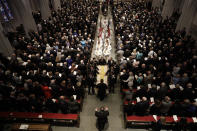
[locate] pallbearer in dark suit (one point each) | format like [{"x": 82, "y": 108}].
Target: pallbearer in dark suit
[
  {"x": 102, "y": 119},
  {"x": 102, "y": 90}
]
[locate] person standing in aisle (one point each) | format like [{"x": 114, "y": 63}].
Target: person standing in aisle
[
  {"x": 102, "y": 119},
  {"x": 101, "y": 90}
]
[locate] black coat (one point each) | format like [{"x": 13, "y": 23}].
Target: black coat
[
  {"x": 73, "y": 106},
  {"x": 102, "y": 89},
  {"x": 141, "y": 107},
  {"x": 102, "y": 116}
]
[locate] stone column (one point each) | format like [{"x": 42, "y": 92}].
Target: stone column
[
  {"x": 5, "y": 47},
  {"x": 157, "y": 4},
  {"x": 193, "y": 28},
  {"x": 56, "y": 4},
  {"x": 22, "y": 14},
  {"x": 34, "y": 5},
  {"x": 188, "y": 15},
  {"x": 44, "y": 8},
  {"x": 28, "y": 20},
  {"x": 170, "y": 6}
]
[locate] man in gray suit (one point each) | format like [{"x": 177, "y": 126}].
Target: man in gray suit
[{"x": 166, "y": 105}]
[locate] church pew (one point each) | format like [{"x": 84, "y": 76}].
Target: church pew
[
  {"x": 80, "y": 101},
  {"x": 146, "y": 121},
  {"x": 51, "y": 118},
  {"x": 138, "y": 121},
  {"x": 134, "y": 102},
  {"x": 124, "y": 90},
  {"x": 30, "y": 127}
]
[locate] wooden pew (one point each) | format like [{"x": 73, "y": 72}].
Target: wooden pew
[
  {"x": 30, "y": 127},
  {"x": 138, "y": 121},
  {"x": 146, "y": 121},
  {"x": 80, "y": 101},
  {"x": 51, "y": 118}
]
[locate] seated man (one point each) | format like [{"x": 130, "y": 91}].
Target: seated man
[
  {"x": 157, "y": 126},
  {"x": 101, "y": 117},
  {"x": 165, "y": 105},
  {"x": 63, "y": 105},
  {"x": 142, "y": 107},
  {"x": 73, "y": 106}
]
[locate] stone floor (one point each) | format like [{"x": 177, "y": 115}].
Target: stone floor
[{"x": 112, "y": 36}]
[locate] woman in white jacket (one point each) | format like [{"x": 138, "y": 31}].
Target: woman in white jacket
[{"x": 130, "y": 80}]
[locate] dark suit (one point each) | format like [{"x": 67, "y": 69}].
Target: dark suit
[
  {"x": 101, "y": 118},
  {"x": 101, "y": 90},
  {"x": 73, "y": 106},
  {"x": 141, "y": 108},
  {"x": 162, "y": 92}
]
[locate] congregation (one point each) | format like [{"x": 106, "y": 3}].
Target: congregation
[
  {"x": 50, "y": 69},
  {"x": 157, "y": 64}
]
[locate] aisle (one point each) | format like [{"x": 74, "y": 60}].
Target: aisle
[
  {"x": 88, "y": 119},
  {"x": 113, "y": 101},
  {"x": 104, "y": 43}
]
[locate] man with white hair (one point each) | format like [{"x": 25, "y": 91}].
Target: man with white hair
[
  {"x": 141, "y": 107},
  {"x": 152, "y": 53},
  {"x": 163, "y": 90}
]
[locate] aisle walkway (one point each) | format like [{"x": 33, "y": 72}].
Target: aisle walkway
[
  {"x": 88, "y": 119},
  {"x": 104, "y": 45}
]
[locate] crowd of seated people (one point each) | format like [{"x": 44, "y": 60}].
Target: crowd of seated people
[
  {"x": 157, "y": 64},
  {"x": 49, "y": 70}
]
